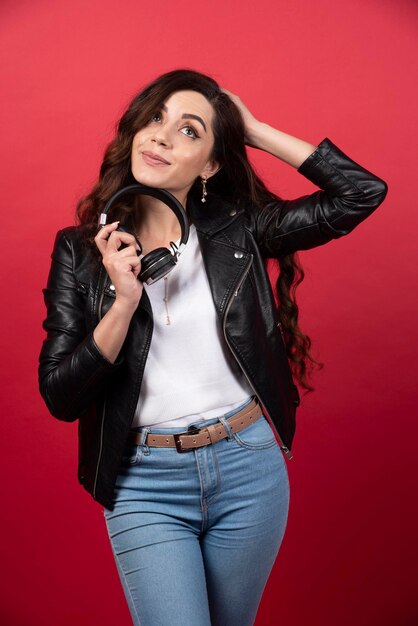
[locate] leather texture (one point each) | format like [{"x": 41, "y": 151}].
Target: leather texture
[{"x": 78, "y": 383}]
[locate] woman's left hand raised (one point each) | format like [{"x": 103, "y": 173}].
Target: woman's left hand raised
[
  {"x": 264, "y": 137},
  {"x": 250, "y": 121}
]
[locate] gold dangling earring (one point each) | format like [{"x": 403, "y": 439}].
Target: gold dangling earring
[{"x": 204, "y": 192}]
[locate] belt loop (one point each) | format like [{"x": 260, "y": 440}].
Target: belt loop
[
  {"x": 143, "y": 437},
  {"x": 227, "y": 427}
]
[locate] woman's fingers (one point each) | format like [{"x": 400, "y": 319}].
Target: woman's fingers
[
  {"x": 116, "y": 238},
  {"x": 127, "y": 251},
  {"x": 109, "y": 239},
  {"x": 250, "y": 121},
  {"x": 103, "y": 234},
  {"x": 122, "y": 262},
  {"x": 126, "y": 263},
  {"x": 233, "y": 97}
]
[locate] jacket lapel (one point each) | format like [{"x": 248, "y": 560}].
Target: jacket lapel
[{"x": 224, "y": 260}]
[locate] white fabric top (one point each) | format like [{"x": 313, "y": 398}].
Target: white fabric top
[{"x": 190, "y": 373}]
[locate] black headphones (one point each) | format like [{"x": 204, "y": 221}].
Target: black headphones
[{"x": 160, "y": 261}]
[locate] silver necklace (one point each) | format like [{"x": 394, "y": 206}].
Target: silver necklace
[
  {"x": 165, "y": 299},
  {"x": 174, "y": 247}
]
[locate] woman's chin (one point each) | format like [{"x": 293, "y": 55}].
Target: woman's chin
[
  {"x": 162, "y": 183},
  {"x": 150, "y": 181}
]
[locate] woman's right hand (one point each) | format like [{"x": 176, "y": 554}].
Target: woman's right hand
[{"x": 123, "y": 266}]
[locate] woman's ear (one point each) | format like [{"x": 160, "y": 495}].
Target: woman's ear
[{"x": 210, "y": 169}]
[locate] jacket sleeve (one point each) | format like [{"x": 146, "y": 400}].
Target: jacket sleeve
[
  {"x": 349, "y": 193},
  {"x": 72, "y": 370}
]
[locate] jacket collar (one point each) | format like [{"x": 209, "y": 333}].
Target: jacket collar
[{"x": 213, "y": 215}]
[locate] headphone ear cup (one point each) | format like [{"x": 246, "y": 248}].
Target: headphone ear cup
[{"x": 156, "y": 264}]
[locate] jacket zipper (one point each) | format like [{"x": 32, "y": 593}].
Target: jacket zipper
[
  {"x": 100, "y": 449},
  {"x": 285, "y": 449},
  {"x": 104, "y": 406},
  {"x": 279, "y": 324}
]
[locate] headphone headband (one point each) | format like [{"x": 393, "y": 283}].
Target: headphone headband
[{"x": 161, "y": 194}]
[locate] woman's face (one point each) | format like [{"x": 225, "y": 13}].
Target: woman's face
[{"x": 181, "y": 134}]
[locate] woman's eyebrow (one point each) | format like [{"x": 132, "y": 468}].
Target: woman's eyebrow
[
  {"x": 194, "y": 117},
  {"x": 189, "y": 116}
]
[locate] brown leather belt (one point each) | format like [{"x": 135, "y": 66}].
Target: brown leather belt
[{"x": 197, "y": 437}]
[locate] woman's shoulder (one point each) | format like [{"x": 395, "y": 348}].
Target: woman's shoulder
[
  {"x": 74, "y": 244},
  {"x": 76, "y": 232},
  {"x": 75, "y": 236}
]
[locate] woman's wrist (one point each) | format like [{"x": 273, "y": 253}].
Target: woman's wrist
[
  {"x": 260, "y": 135},
  {"x": 254, "y": 134},
  {"x": 289, "y": 149},
  {"x": 124, "y": 306},
  {"x": 110, "y": 333}
]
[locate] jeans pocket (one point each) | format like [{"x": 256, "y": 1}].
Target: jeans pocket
[
  {"x": 256, "y": 436},
  {"x": 132, "y": 454}
]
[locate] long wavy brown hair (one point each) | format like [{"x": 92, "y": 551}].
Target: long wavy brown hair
[{"x": 236, "y": 181}]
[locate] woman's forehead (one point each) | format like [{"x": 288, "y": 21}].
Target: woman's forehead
[{"x": 188, "y": 101}]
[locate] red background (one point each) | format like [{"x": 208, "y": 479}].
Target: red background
[{"x": 344, "y": 70}]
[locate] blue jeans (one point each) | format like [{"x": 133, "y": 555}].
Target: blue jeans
[{"x": 195, "y": 534}]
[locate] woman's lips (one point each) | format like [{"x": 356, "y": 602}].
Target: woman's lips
[{"x": 151, "y": 161}]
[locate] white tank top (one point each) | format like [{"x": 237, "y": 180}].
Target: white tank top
[{"x": 190, "y": 373}]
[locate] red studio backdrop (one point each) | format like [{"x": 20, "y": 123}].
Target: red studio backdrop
[{"x": 342, "y": 70}]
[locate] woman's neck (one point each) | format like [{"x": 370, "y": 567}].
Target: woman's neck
[{"x": 154, "y": 220}]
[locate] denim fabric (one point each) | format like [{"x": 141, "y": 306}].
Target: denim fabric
[{"x": 195, "y": 534}]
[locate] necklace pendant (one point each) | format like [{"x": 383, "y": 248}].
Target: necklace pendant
[{"x": 165, "y": 300}]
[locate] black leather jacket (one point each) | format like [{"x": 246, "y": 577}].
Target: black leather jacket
[{"x": 78, "y": 382}]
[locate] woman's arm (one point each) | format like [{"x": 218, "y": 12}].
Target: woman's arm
[
  {"x": 350, "y": 193},
  {"x": 72, "y": 369},
  {"x": 110, "y": 333},
  {"x": 74, "y": 364},
  {"x": 123, "y": 266},
  {"x": 291, "y": 150}
]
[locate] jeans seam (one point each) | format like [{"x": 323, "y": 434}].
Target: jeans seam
[
  {"x": 218, "y": 480},
  {"x": 251, "y": 446},
  {"x": 203, "y": 507},
  {"x": 127, "y": 586}
]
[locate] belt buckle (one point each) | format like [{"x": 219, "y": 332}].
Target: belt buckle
[{"x": 192, "y": 430}]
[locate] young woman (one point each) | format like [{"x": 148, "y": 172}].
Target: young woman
[{"x": 196, "y": 520}]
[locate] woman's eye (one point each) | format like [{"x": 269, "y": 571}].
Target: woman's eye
[
  {"x": 154, "y": 116},
  {"x": 194, "y": 134}
]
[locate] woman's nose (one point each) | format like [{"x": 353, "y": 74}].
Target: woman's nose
[{"x": 161, "y": 137}]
